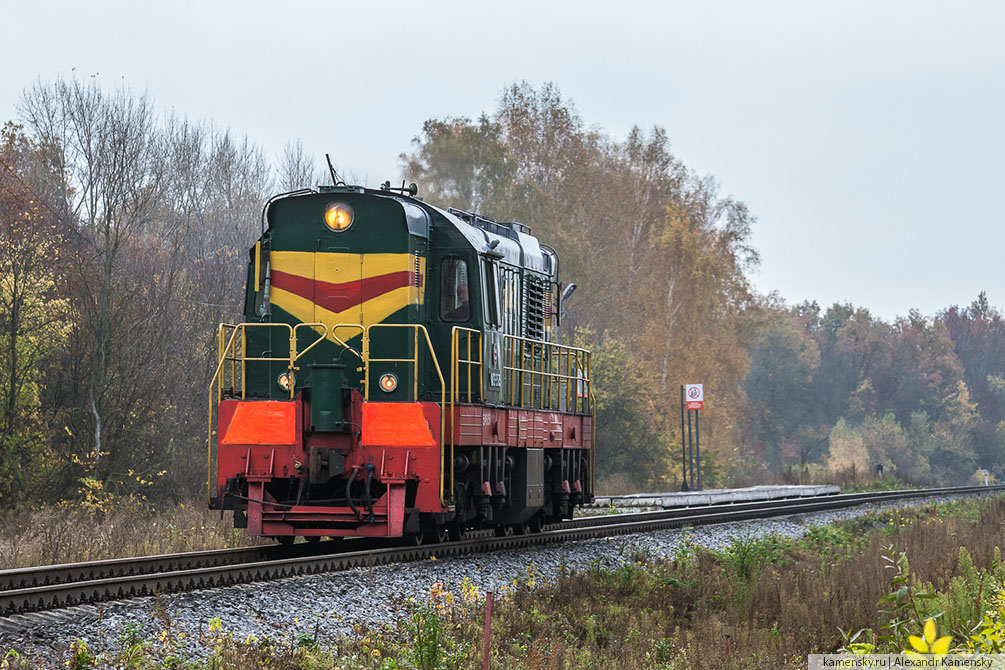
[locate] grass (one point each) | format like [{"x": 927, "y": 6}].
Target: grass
[{"x": 69, "y": 534}]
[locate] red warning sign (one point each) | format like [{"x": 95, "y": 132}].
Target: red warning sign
[{"x": 694, "y": 396}]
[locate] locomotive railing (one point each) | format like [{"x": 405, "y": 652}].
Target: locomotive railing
[
  {"x": 536, "y": 374},
  {"x": 414, "y": 361},
  {"x": 229, "y": 352},
  {"x": 470, "y": 391},
  {"x": 546, "y": 375},
  {"x": 233, "y": 351}
]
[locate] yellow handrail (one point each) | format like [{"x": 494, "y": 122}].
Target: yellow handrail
[
  {"x": 552, "y": 367},
  {"x": 228, "y": 353},
  {"x": 212, "y": 383},
  {"x": 415, "y": 387},
  {"x": 295, "y": 353},
  {"x": 336, "y": 338},
  {"x": 456, "y": 361},
  {"x": 455, "y": 371}
]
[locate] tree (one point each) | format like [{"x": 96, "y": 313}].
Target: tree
[
  {"x": 658, "y": 252},
  {"x": 954, "y": 459},
  {"x": 296, "y": 168},
  {"x": 784, "y": 361},
  {"x": 158, "y": 214},
  {"x": 846, "y": 449},
  {"x": 106, "y": 155},
  {"x": 32, "y": 314},
  {"x": 978, "y": 336},
  {"x": 634, "y": 447},
  {"x": 887, "y": 444},
  {"x": 460, "y": 162}
]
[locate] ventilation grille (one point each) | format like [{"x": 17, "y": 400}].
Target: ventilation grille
[{"x": 537, "y": 304}]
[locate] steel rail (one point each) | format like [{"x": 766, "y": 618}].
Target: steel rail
[
  {"x": 125, "y": 578},
  {"x": 66, "y": 573}
]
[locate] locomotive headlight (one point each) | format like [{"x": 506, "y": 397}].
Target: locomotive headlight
[
  {"x": 286, "y": 380},
  {"x": 338, "y": 216},
  {"x": 388, "y": 382}
]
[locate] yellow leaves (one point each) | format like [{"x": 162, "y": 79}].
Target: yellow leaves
[
  {"x": 929, "y": 643},
  {"x": 991, "y": 636},
  {"x": 439, "y": 597},
  {"x": 469, "y": 592}
]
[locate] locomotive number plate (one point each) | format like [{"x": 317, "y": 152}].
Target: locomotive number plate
[{"x": 495, "y": 380}]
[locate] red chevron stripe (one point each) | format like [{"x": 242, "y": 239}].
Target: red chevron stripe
[{"x": 356, "y": 292}]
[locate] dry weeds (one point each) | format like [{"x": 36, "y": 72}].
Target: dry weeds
[{"x": 54, "y": 535}]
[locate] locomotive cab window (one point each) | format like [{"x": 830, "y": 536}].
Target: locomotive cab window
[
  {"x": 455, "y": 300},
  {"x": 491, "y": 294}
]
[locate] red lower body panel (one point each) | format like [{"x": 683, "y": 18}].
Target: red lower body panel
[
  {"x": 386, "y": 519},
  {"x": 267, "y": 445}
]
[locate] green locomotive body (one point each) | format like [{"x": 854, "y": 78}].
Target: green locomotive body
[{"x": 399, "y": 372}]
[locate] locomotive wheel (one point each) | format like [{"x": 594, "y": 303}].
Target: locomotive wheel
[
  {"x": 313, "y": 539},
  {"x": 503, "y": 531},
  {"x": 429, "y": 533},
  {"x": 455, "y": 531},
  {"x": 286, "y": 540},
  {"x": 537, "y": 523},
  {"x": 521, "y": 528},
  {"x": 436, "y": 535}
]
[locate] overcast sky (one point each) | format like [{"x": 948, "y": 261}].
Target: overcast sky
[{"x": 867, "y": 137}]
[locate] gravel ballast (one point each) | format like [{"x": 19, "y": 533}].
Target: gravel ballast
[{"x": 329, "y": 605}]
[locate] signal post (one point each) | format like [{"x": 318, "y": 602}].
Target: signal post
[{"x": 692, "y": 400}]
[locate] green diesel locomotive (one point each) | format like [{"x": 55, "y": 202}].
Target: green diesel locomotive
[{"x": 399, "y": 372}]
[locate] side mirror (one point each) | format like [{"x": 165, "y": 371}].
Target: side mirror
[
  {"x": 566, "y": 292},
  {"x": 569, "y": 290}
]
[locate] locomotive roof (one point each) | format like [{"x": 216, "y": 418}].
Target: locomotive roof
[
  {"x": 514, "y": 246},
  {"x": 513, "y": 242}
]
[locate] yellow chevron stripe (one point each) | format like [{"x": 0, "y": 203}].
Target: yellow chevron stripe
[
  {"x": 374, "y": 311},
  {"x": 337, "y": 268}
]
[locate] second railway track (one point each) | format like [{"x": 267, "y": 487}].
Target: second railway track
[{"x": 36, "y": 589}]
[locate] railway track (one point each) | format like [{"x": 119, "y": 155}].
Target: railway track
[{"x": 37, "y": 589}]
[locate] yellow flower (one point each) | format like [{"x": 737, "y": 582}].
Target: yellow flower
[{"x": 929, "y": 644}]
